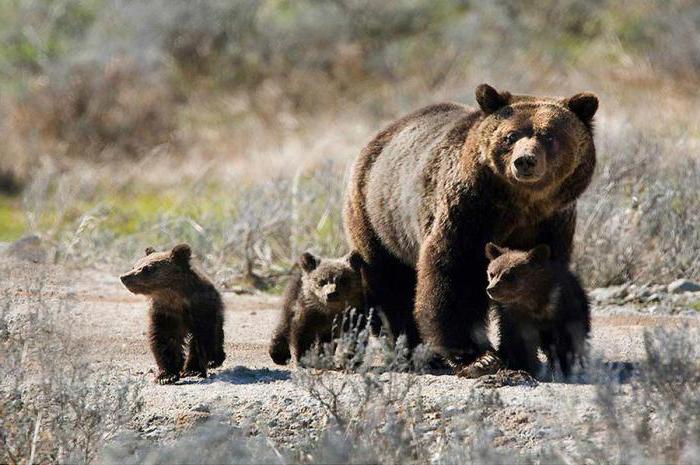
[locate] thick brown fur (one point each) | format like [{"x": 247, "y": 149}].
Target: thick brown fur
[
  {"x": 319, "y": 292},
  {"x": 546, "y": 305},
  {"x": 185, "y": 305},
  {"x": 429, "y": 191}
]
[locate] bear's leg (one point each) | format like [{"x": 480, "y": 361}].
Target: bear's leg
[
  {"x": 279, "y": 344},
  {"x": 166, "y": 336},
  {"x": 451, "y": 302},
  {"x": 391, "y": 295},
  {"x": 196, "y": 362},
  {"x": 217, "y": 350},
  {"x": 518, "y": 344},
  {"x": 203, "y": 336},
  {"x": 306, "y": 330}
]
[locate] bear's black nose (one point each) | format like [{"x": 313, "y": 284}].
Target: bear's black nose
[
  {"x": 125, "y": 278},
  {"x": 525, "y": 164}
]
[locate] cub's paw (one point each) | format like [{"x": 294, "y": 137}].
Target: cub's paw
[
  {"x": 194, "y": 374},
  {"x": 166, "y": 378},
  {"x": 507, "y": 378},
  {"x": 488, "y": 364},
  {"x": 218, "y": 361},
  {"x": 279, "y": 352}
]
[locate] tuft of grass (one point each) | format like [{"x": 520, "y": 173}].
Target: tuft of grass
[{"x": 12, "y": 220}]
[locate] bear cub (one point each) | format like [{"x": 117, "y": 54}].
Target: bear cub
[
  {"x": 185, "y": 307},
  {"x": 319, "y": 292},
  {"x": 546, "y": 303}
]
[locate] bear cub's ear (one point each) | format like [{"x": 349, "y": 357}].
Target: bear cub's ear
[
  {"x": 583, "y": 105},
  {"x": 493, "y": 251},
  {"x": 490, "y": 100},
  {"x": 541, "y": 253},
  {"x": 355, "y": 260},
  {"x": 181, "y": 254},
  {"x": 308, "y": 262},
  {"x": 149, "y": 250}
]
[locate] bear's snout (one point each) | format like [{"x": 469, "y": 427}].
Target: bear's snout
[
  {"x": 126, "y": 278},
  {"x": 525, "y": 165},
  {"x": 129, "y": 281}
]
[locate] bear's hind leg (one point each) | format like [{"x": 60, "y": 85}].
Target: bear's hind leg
[
  {"x": 196, "y": 363},
  {"x": 202, "y": 340}
]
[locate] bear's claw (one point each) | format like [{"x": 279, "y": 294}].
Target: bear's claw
[
  {"x": 166, "y": 378},
  {"x": 488, "y": 364}
]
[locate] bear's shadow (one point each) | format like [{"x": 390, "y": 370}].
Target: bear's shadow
[{"x": 243, "y": 375}]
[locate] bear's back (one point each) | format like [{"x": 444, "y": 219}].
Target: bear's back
[{"x": 422, "y": 146}]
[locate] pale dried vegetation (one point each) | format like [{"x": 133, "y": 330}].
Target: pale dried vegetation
[{"x": 373, "y": 413}]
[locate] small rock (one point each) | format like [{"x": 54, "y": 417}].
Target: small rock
[
  {"x": 681, "y": 286},
  {"x": 204, "y": 408},
  {"x": 29, "y": 248},
  {"x": 609, "y": 293}
]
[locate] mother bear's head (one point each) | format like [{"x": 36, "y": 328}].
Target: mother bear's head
[{"x": 537, "y": 144}]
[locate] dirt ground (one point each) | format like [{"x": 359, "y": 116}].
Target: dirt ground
[{"x": 111, "y": 323}]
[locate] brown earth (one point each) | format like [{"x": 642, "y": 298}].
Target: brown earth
[{"x": 110, "y": 323}]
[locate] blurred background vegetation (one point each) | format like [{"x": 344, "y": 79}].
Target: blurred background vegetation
[{"x": 232, "y": 124}]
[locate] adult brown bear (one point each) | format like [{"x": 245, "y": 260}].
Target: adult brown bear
[{"x": 434, "y": 187}]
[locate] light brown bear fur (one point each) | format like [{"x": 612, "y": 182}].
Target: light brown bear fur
[
  {"x": 319, "y": 292},
  {"x": 429, "y": 191},
  {"x": 185, "y": 305}
]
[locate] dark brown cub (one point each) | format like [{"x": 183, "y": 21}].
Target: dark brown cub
[
  {"x": 541, "y": 305},
  {"x": 185, "y": 308},
  {"x": 319, "y": 292}
]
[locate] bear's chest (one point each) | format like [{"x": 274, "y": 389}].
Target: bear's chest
[{"x": 519, "y": 228}]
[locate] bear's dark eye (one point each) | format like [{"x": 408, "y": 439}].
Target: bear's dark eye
[
  {"x": 548, "y": 139},
  {"x": 511, "y": 138}
]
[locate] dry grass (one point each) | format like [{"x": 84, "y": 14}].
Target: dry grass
[{"x": 54, "y": 407}]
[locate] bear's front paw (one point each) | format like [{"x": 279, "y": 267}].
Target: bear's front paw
[
  {"x": 166, "y": 378},
  {"x": 488, "y": 364},
  {"x": 217, "y": 361},
  {"x": 279, "y": 352},
  {"x": 194, "y": 373}
]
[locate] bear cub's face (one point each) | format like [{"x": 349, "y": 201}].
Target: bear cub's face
[
  {"x": 533, "y": 143},
  {"x": 334, "y": 284},
  {"x": 513, "y": 273},
  {"x": 158, "y": 271}
]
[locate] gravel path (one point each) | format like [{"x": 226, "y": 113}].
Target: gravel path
[{"x": 112, "y": 325}]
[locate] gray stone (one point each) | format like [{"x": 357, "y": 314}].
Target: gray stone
[
  {"x": 681, "y": 286},
  {"x": 204, "y": 408},
  {"x": 29, "y": 248},
  {"x": 603, "y": 294}
]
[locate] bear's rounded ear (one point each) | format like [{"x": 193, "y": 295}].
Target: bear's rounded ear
[
  {"x": 181, "y": 254},
  {"x": 541, "y": 253},
  {"x": 493, "y": 251},
  {"x": 490, "y": 100},
  {"x": 355, "y": 260},
  {"x": 149, "y": 250},
  {"x": 583, "y": 105},
  {"x": 308, "y": 262}
]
